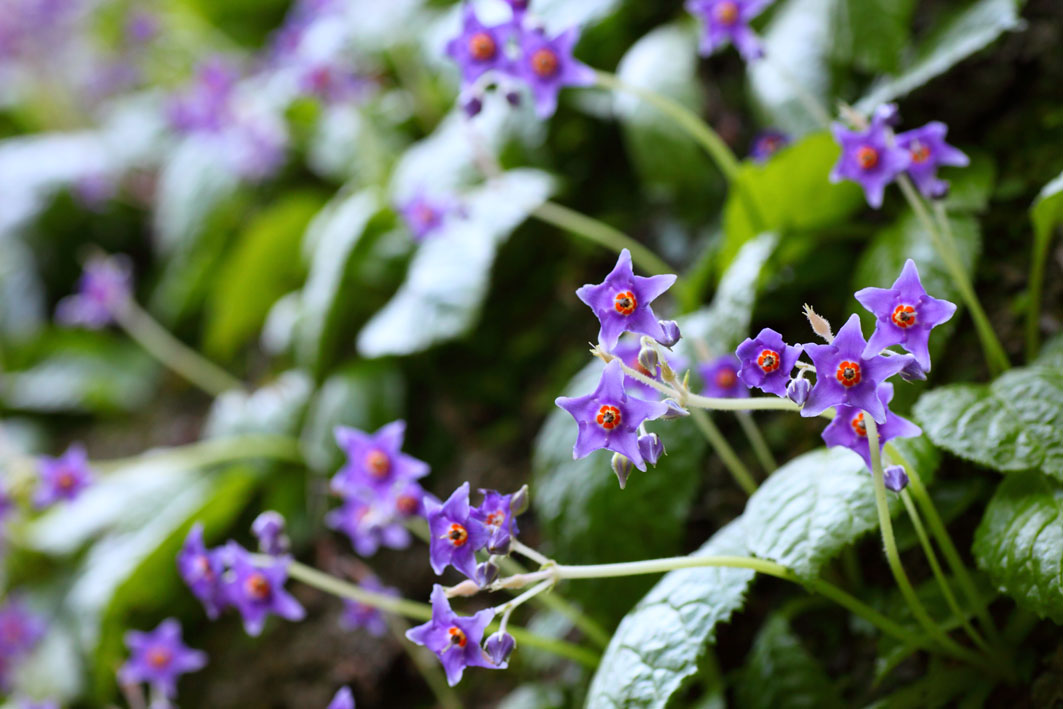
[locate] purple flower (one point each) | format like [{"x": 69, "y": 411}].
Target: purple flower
[
  {"x": 496, "y": 514},
  {"x": 848, "y": 428},
  {"x": 928, "y": 151},
  {"x": 370, "y": 524},
  {"x": 159, "y": 658},
  {"x": 869, "y": 157},
  {"x": 767, "y": 362},
  {"x": 257, "y": 591},
  {"x": 268, "y": 528},
  {"x": 409, "y": 500},
  {"x": 104, "y": 289},
  {"x": 343, "y": 699},
  {"x": 455, "y": 639},
  {"x": 845, "y": 376},
  {"x": 141, "y": 27},
  {"x": 359, "y": 615},
  {"x": 456, "y": 534},
  {"x": 63, "y": 478},
  {"x": 202, "y": 571},
  {"x": 729, "y": 20},
  {"x": 479, "y": 48},
  {"x": 331, "y": 82},
  {"x": 426, "y": 215},
  {"x": 767, "y": 143},
  {"x": 204, "y": 106},
  {"x": 622, "y": 302},
  {"x": 20, "y": 631},
  {"x": 547, "y": 65},
  {"x": 375, "y": 461},
  {"x": 609, "y": 418},
  {"x": 904, "y": 315},
  {"x": 721, "y": 378}
]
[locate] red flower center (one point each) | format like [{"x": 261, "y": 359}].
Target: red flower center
[
  {"x": 848, "y": 373},
  {"x": 482, "y": 47},
  {"x": 726, "y": 378},
  {"x": 625, "y": 302},
  {"x": 457, "y": 535},
  {"x": 544, "y": 62},
  {"x": 903, "y": 316},
  {"x": 727, "y": 12},
  {"x": 457, "y": 636},
  {"x": 867, "y": 157},
  {"x": 423, "y": 214},
  {"x": 377, "y": 463},
  {"x": 768, "y": 360},
  {"x": 66, "y": 480},
  {"x": 859, "y": 427},
  {"x": 608, "y": 417},
  {"x": 202, "y": 567},
  {"x": 159, "y": 657},
  {"x": 406, "y": 504},
  {"x": 637, "y": 366},
  {"x": 920, "y": 152},
  {"x": 257, "y": 587},
  {"x": 495, "y": 519}
]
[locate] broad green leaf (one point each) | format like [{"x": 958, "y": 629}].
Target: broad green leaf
[
  {"x": 779, "y": 671},
  {"x": 266, "y": 255},
  {"x": 960, "y": 36},
  {"x": 450, "y": 273},
  {"x": 1020, "y": 543},
  {"x": 870, "y": 34},
  {"x": 791, "y": 193},
  {"x": 656, "y": 648},
  {"x": 1012, "y": 424},
  {"x": 277, "y": 407}
]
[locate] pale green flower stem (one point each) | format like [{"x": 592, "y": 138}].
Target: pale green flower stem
[
  {"x": 756, "y": 440},
  {"x": 730, "y": 459}
]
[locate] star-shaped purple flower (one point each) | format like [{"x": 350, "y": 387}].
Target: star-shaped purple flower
[
  {"x": 729, "y": 20},
  {"x": 425, "y": 215},
  {"x": 370, "y": 524},
  {"x": 721, "y": 378},
  {"x": 496, "y": 514},
  {"x": 849, "y": 429},
  {"x": 622, "y": 302},
  {"x": 359, "y": 615},
  {"x": 343, "y": 699},
  {"x": 202, "y": 571},
  {"x": 375, "y": 461},
  {"x": 63, "y": 478},
  {"x": 105, "y": 287},
  {"x": 547, "y": 65},
  {"x": 159, "y": 658},
  {"x": 767, "y": 362},
  {"x": 869, "y": 157},
  {"x": 767, "y": 143},
  {"x": 928, "y": 151},
  {"x": 845, "y": 376},
  {"x": 609, "y": 418},
  {"x": 256, "y": 591},
  {"x": 904, "y": 315},
  {"x": 479, "y": 48},
  {"x": 454, "y": 639},
  {"x": 456, "y": 535}
]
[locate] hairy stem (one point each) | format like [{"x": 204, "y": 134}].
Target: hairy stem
[{"x": 730, "y": 459}]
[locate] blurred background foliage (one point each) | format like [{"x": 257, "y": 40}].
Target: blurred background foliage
[{"x": 306, "y": 284}]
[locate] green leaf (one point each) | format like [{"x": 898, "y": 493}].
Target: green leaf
[
  {"x": 657, "y": 646},
  {"x": 267, "y": 255},
  {"x": 870, "y": 34},
  {"x": 450, "y": 273},
  {"x": 276, "y": 407},
  {"x": 780, "y": 672},
  {"x": 957, "y": 38},
  {"x": 1014, "y": 423},
  {"x": 791, "y": 192},
  {"x": 1020, "y": 543}
]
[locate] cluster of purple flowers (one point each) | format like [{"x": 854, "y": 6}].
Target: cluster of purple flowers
[
  {"x": 20, "y": 632},
  {"x": 159, "y": 658},
  {"x": 728, "y": 21},
  {"x": 516, "y": 54},
  {"x": 873, "y": 156},
  {"x": 378, "y": 486}
]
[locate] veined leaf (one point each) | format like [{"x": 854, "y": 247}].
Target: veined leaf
[{"x": 780, "y": 672}]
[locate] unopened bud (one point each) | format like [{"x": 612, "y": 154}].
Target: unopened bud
[
  {"x": 675, "y": 411},
  {"x": 465, "y": 588},
  {"x": 487, "y": 572},
  {"x": 518, "y": 502},
  {"x": 797, "y": 390},
  {"x": 499, "y": 647},
  {"x": 819, "y": 324},
  {"x": 888, "y": 114},
  {"x": 622, "y": 467},
  {"x": 651, "y": 447},
  {"x": 648, "y": 359},
  {"x": 671, "y": 333},
  {"x": 268, "y": 528},
  {"x": 472, "y": 106},
  {"x": 912, "y": 372},
  {"x": 513, "y": 97},
  {"x": 499, "y": 542},
  {"x": 895, "y": 478}
]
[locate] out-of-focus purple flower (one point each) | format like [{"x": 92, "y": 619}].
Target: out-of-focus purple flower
[
  {"x": 105, "y": 287},
  {"x": 257, "y": 591},
  {"x": 370, "y": 524},
  {"x": 359, "y": 615},
  {"x": 332, "y": 82},
  {"x": 721, "y": 378},
  {"x": 496, "y": 514},
  {"x": 253, "y": 145},
  {"x": 928, "y": 151},
  {"x": 202, "y": 571},
  {"x": 344, "y": 699},
  {"x": 767, "y": 143},
  {"x": 409, "y": 500},
  {"x": 547, "y": 66},
  {"x": 20, "y": 631},
  {"x": 141, "y": 26},
  {"x": 845, "y": 376},
  {"x": 204, "y": 106},
  {"x": 375, "y": 462},
  {"x": 848, "y": 428},
  {"x": 609, "y": 418},
  {"x": 456, "y": 535},
  {"x": 767, "y": 362},
  {"x": 904, "y": 315},
  {"x": 94, "y": 191},
  {"x": 268, "y": 528},
  {"x": 870, "y": 157},
  {"x": 728, "y": 20},
  {"x": 622, "y": 302},
  {"x": 479, "y": 48},
  {"x": 63, "y": 478},
  {"x": 895, "y": 478},
  {"x": 425, "y": 215},
  {"x": 454, "y": 639},
  {"x": 159, "y": 658}
]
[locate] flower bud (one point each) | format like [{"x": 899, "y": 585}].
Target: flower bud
[
  {"x": 472, "y": 106},
  {"x": 499, "y": 646},
  {"x": 671, "y": 333},
  {"x": 487, "y": 572},
  {"x": 268, "y": 528},
  {"x": 499, "y": 542},
  {"x": 622, "y": 467},
  {"x": 912, "y": 372},
  {"x": 675, "y": 411},
  {"x": 651, "y": 448},
  {"x": 513, "y": 97},
  {"x": 648, "y": 359},
  {"x": 797, "y": 390},
  {"x": 895, "y": 478},
  {"x": 518, "y": 502},
  {"x": 820, "y": 325},
  {"x": 888, "y": 114}
]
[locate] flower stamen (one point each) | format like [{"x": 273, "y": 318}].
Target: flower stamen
[
  {"x": 625, "y": 302},
  {"x": 848, "y": 374},
  {"x": 608, "y": 417},
  {"x": 768, "y": 360},
  {"x": 482, "y": 47},
  {"x": 904, "y": 316},
  {"x": 867, "y": 157}
]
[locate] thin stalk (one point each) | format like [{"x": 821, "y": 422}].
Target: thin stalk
[
  {"x": 995, "y": 356},
  {"x": 422, "y": 660},
  {"x": 173, "y": 353},
  {"x": 730, "y": 459},
  {"x": 756, "y": 440},
  {"x": 600, "y": 233},
  {"x": 894, "y": 559},
  {"x": 528, "y": 552},
  {"x": 212, "y": 452}
]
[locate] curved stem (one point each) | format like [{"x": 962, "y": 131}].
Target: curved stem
[
  {"x": 730, "y": 459},
  {"x": 212, "y": 452},
  {"x": 600, "y": 233},
  {"x": 756, "y": 440},
  {"x": 173, "y": 353},
  {"x": 528, "y": 552}
]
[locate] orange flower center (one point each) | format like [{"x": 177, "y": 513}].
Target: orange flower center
[
  {"x": 457, "y": 636},
  {"x": 66, "y": 480},
  {"x": 768, "y": 360},
  {"x": 377, "y": 463},
  {"x": 725, "y": 378},
  {"x": 625, "y": 302},
  {"x": 903, "y": 316},
  {"x": 482, "y": 47},
  {"x": 727, "y": 13},
  {"x": 544, "y": 62},
  {"x": 257, "y": 587},
  {"x": 159, "y": 657},
  {"x": 202, "y": 566},
  {"x": 848, "y": 373},
  {"x": 457, "y": 535},
  {"x": 920, "y": 152},
  {"x": 495, "y": 519},
  {"x": 406, "y": 504},
  {"x": 859, "y": 427},
  {"x": 867, "y": 157},
  {"x": 608, "y": 417}
]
